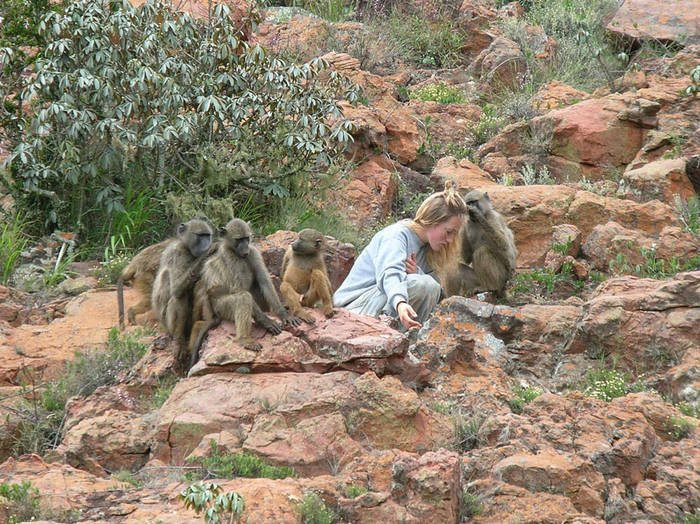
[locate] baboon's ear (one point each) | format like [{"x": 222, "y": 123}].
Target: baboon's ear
[{"x": 181, "y": 228}]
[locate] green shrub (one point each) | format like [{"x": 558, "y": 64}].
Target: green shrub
[
  {"x": 422, "y": 41},
  {"x": 353, "y": 490},
  {"x": 489, "y": 125},
  {"x": 564, "y": 248},
  {"x": 42, "y": 416},
  {"x": 470, "y": 505},
  {"x": 546, "y": 282},
  {"x": 689, "y": 410},
  {"x": 523, "y": 395},
  {"x": 584, "y": 58},
  {"x": 689, "y": 212},
  {"x": 691, "y": 518},
  {"x": 679, "y": 428},
  {"x": 239, "y": 465},
  {"x": 441, "y": 93},
  {"x": 13, "y": 240},
  {"x": 126, "y": 477},
  {"x": 313, "y": 510},
  {"x": 19, "y": 32},
  {"x": 331, "y": 10},
  {"x": 110, "y": 116},
  {"x": 162, "y": 391},
  {"x": 694, "y": 87},
  {"x": 441, "y": 407},
  {"x": 207, "y": 498},
  {"x": 606, "y": 384},
  {"x": 22, "y": 502},
  {"x": 530, "y": 176},
  {"x": 109, "y": 271}
]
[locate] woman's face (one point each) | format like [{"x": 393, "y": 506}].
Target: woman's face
[{"x": 444, "y": 233}]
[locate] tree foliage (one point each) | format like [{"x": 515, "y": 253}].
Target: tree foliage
[{"x": 127, "y": 96}]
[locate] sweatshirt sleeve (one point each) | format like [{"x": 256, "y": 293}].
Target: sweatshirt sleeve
[{"x": 390, "y": 263}]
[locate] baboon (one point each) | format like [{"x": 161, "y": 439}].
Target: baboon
[
  {"x": 230, "y": 279},
  {"x": 142, "y": 270},
  {"x": 304, "y": 276},
  {"x": 488, "y": 245},
  {"x": 180, "y": 267}
]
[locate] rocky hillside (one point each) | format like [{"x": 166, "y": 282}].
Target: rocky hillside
[{"x": 574, "y": 401}]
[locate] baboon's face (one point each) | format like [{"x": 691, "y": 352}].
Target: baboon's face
[
  {"x": 309, "y": 242},
  {"x": 202, "y": 243},
  {"x": 197, "y": 235},
  {"x": 240, "y": 246},
  {"x": 237, "y": 234},
  {"x": 479, "y": 200}
]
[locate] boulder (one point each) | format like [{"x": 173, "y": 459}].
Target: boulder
[
  {"x": 263, "y": 407},
  {"x": 638, "y": 320},
  {"x": 345, "y": 341},
  {"x": 656, "y": 20},
  {"x": 661, "y": 180}
]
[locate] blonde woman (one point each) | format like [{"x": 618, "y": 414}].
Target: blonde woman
[{"x": 396, "y": 273}]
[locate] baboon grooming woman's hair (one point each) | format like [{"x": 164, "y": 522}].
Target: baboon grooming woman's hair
[{"x": 396, "y": 273}]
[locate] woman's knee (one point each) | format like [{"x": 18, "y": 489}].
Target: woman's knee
[{"x": 424, "y": 285}]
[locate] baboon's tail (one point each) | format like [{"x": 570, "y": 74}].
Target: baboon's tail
[{"x": 120, "y": 302}]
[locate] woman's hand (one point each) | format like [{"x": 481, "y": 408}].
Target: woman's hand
[
  {"x": 407, "y": 315},
  {"x": 411, "y": 265}
]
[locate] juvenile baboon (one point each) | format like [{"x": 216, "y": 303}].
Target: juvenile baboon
[
  {"x": 180, "y": 267},
  {"x": 230, "y": 279},
  {"x": 304, "y": 276},
  {"x": 488, "y": 245}
]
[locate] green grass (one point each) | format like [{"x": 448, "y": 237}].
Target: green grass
[
  {"x": 489, "y": 125},
  {"x": 313, "y": 510},
  {"x": 578, "y": 28},
  {"x": 522, "y": 395},
  {"x": 13, "y": 241},
  {"x": 652, "y": 266},
  {"x": 688, "y": 409},
  {"x": 22, "y": 502},
  {"x": 353, "y": 490},
  {"x": 679, "y": 428},
  {"x": 547, "y": 282},
  {"x": 689, "y": 212},
  {"x": 466, "y": 431},
  {"x": 420, "y": 41},
  {"x": 237, "y": 465},
  {"x": 162, "y": 391},
  {"x": 127, "y": 477},
  {"x": 42, "y": 411},
  {"x": 470, "y": 505}
]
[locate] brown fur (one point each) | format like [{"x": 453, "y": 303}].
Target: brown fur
[
  {"x": 304, "y": 276},
  {"x": 142, "y": 270},
  {"x": 180, "y": 267},
  {"x": 230, "y": 279},
  {"x": 488, "y": 245}
]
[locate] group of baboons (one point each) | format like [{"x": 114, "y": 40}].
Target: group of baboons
[{"x": 201, "y": 276}]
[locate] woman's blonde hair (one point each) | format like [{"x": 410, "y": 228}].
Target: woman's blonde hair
[{"x": 436, "y": 209}]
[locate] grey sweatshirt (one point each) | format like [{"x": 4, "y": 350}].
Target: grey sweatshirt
[{"x": 382, "y": 264}]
